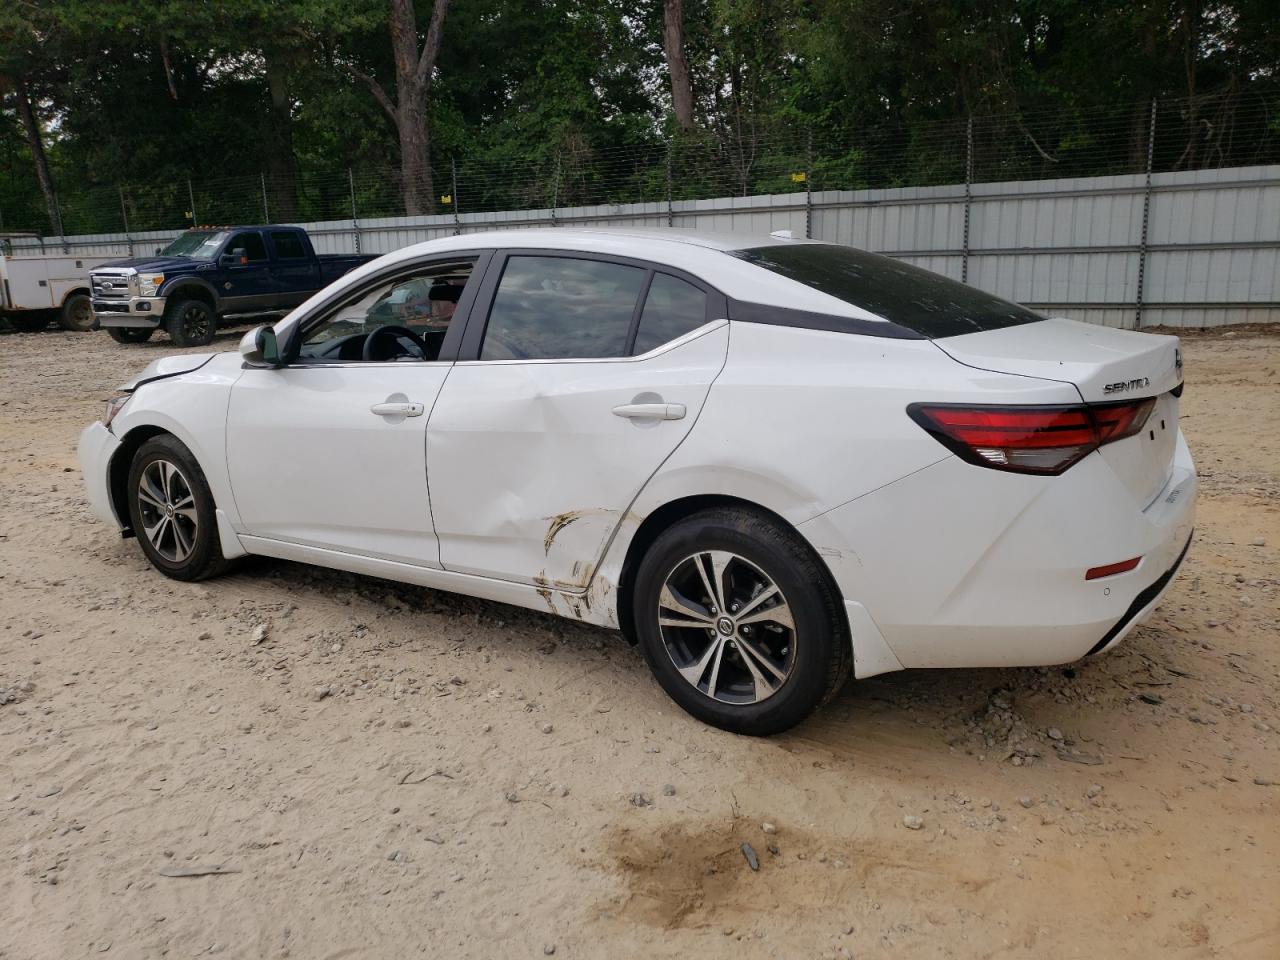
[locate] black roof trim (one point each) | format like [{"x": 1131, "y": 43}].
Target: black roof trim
[{"x": 806, "y": 320}]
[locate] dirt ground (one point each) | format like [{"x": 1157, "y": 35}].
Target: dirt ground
[{"x": 483, "y": 781}]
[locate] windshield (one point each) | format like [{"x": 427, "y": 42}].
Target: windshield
[
  {"x": 196, "y": 244},
  {"x": 924, "y": 302}
]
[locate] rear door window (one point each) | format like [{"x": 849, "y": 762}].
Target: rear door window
[
  {"x": 561, "y": 308},
  {"x": 672, "y": 308},
  {"x": 288, "y": 245},
  {"x": 924, "y": 302}
]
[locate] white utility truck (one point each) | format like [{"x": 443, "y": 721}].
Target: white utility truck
[{"x": 38, "y": 287}]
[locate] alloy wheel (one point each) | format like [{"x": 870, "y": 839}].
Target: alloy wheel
[
  {"x": 727, "y": 627},
  {"x": 168, "y": 510},
  {"x": 195, "y": 322}
]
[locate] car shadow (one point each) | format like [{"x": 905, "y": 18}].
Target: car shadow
[{"x": 1014, "y": 716}]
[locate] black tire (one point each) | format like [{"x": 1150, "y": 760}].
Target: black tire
[
  {"x": 193, "y": 527},
  {"x": 191, "y": 323},
  {"x": 130, "y": 334},
  {"x": 815, "y": 652},
  {"x": 77, "y": 313},
  {"x": 32, "y": 322}
]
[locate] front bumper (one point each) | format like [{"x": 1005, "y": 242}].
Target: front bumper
[
  {"x": 963, "y": 567},
  {"x": 134, "y": 312},
  {"x": 97, "y": 446}
]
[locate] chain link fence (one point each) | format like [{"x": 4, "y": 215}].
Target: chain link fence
[{"x": 1172, "y": 135}]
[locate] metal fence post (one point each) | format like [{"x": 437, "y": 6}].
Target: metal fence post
[
  {"x": 124, "y": 215},
  {"x": 266, "y": 214},
  {"x": 355, "y": 222},
  {"x": 670, "y": 211},
  {"x": 1146, "y": 217},
  {"x": 555, "y": 190},
  {"x": 191, "y": 196},
  {"x": 968, "y": 198},
  {"x": 457, "y": 219},
  {"x": 808, "y": 189}
]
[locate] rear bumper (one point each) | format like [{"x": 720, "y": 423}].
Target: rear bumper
[
  {"x": 964, "y": 567},
  {"x": 134, "y": 312},
  {"x": 97, "y": 446},
  {"x": 1146, "y": 601}
]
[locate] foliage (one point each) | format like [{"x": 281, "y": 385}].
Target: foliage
[{"x": 262, "y": 103}]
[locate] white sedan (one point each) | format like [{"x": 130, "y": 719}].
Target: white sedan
[{"x": 771, "y": 463}]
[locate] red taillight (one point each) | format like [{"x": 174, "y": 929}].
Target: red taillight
[
  {"x": 1030, "y": 439},
  {"x": 1119, "y": 420},
  {"x": 1111, "y": 569}
]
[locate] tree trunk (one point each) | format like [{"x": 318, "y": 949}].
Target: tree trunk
[
  {"x": 35, "y": 143},
  {"x": 281, "y": 168},
  {"x": 414, "y": 68},
  {"x": 677, "y": 63},
  {"x": 415, "y": 158},
  {"x": 1140, "y": 117},
  {"x": 1191, "y": 51}
]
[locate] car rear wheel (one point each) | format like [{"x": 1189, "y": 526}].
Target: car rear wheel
[
  {"x": 131, "y": 334},
  {"x": 191, "y": 323},
  {"x": 172, "y": 513},
  {"x": 739, "y": 621},
  {"x": 77, "y": 313}
]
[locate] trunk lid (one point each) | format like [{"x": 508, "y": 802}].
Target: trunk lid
[
  {"x": 1106, "y": 366},
  {"x": 1103, "y": 363}
]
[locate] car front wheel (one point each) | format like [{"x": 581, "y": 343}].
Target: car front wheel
[
  {"x": 739, "y": 621},
  {"x": 171, "y": 510}
]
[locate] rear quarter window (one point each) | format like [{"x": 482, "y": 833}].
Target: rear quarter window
[
  {"x": 924, "y": 302},
  {"x": 671, "y": 309}
]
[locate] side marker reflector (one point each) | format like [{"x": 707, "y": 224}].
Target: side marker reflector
[{"x": 1111, "y": 569}]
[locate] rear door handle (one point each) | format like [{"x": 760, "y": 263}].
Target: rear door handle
[
  {"x": 650, "y": 411},
  {"x": 398, "y": 409}
]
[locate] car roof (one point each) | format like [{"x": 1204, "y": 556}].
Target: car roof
[
  {"x": 706, "y": 255},
  {"x": 603, "y": 239}
]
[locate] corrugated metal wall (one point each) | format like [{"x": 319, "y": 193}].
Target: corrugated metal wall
[{"x": 1067, "y": 247}]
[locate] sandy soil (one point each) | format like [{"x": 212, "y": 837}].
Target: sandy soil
[{"x": 484, "y": 781}]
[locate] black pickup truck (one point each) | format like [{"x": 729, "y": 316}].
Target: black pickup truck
[{"x": 207, "y": 275}]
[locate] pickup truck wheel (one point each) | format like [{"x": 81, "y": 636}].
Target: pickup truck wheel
[
  {"x": 77, "y": 313},
  {"x": 131, "y": 334},
  {"x": 191, "y": 323}
]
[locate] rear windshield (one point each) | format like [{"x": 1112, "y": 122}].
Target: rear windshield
[{"x": 924, "y": 302}]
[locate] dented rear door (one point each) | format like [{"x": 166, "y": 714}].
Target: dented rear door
[{"x": 533, "y": 461}]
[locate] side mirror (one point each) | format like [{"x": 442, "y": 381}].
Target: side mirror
[
  {"x": 236, "y": 258},
  {"x": 158, "y": 249},
  {"x": 259, "y": 347}
]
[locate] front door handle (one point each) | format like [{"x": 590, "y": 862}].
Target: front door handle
[
  {"x": 404, "y": 408},
  {"x": 650, "y": 411}
]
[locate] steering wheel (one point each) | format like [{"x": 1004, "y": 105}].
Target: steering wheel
[{"x": 377, "y": 335}]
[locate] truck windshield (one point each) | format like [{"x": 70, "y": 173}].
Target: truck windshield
[
  {"x": 927, "y": 303},
  {"x": 196, "y": 244}
]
